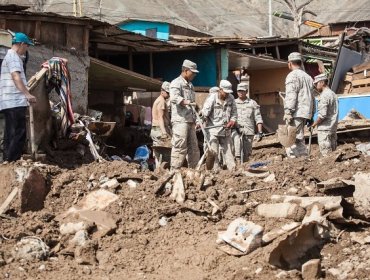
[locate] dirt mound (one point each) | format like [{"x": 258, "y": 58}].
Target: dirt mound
[{"x": 157, "y": 238}]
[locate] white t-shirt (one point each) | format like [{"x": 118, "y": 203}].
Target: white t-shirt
[{"x": 10, "y": 96}]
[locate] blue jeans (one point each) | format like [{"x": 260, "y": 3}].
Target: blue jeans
[{"x": 15, "y": 133}]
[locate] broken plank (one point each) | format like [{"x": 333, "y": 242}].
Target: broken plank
[
  {"x": 361, "y": 82},
  {"x": 361, "y": 67},
  {"x": 8, "y": 200}
]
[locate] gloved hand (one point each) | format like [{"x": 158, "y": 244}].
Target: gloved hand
[
  {"x": 288, "y": 118},
  {"x": 309, "y": 122},
  {"x": 259, "y": 136},
  {"x": 164, "y": 136},
  {"x": 230, "y": 124}
]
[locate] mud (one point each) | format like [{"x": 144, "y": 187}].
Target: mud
[{"x": 185, "y": 247}]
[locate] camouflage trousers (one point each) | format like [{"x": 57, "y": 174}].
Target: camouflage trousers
[
  {"x": 184, "y": 145},
  {"x": 222, "y": 145},
  {"x": 327, "y": 141},
  {"x": 298, "y": 149},
  {"x": 242, "y": 141},
  {"x": 159, "y": 153}
]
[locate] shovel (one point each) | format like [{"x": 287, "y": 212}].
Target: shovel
[
  {"x": 286, "y": 133},
  {"x": 210, "y": 156},
  {"x": 309, "y": 141}
]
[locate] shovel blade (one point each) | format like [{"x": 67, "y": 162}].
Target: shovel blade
[{"x": 286, "y": 135}]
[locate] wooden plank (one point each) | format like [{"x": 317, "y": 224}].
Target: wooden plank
[
  {"x": 360, "y": 90},
  {"x": 8, "y": 200},
  {"x": 361, "y": 82},
  {"x": 361, "y": 67}
]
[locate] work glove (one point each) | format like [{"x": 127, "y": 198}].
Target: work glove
[
  {"x": 164, "y": 136},
  {"x": 259, "y": 136},
  {"x": 230, "y": 124},
  {"x": 288, "y": 118},
  {"x": 309, "y": 122}
]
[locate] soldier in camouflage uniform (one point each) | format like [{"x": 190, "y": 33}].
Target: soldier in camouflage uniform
[
  {"x": 327, "y": 120},
  {"x": 249, "y": 116},
  {"x": 220, "y": 110},
  {"x": 299, "y": 103},
  {"x": 182, "y": 97}
]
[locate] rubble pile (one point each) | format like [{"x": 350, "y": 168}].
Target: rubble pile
[{"x": 273, "y": 219}]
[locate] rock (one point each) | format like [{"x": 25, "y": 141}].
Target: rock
[
  {"x": 258, "y": 270},
  {"x": 104, "y": 221},
  {"x": 110, "y": 184},
  {"x": 311, "y": 269},
  {"x": 96, "y": 200},
  {"x": 292, "y": 190},
  {"x": 361, "y": 194},
  {"x": 72, "y": 228},
  {"x": 270, "y": 178},
  {"x": 31, "y": 248},
  {"x": 42, "y": 267},
  {"x": 334, "y": 272},
  {"x": 282, "y": 275},
  {"x": 133, "y": 184},
  {"x": 80, "y": 239},
  {"x": 281, "y": 210},
  {"x": 163, "y": 221},
  {"x": 86, "y": 254}
]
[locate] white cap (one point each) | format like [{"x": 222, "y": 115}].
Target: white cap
[
  {"x": 190, "y": 65},
  {"x": 214, "y": 90},
  {"x": 166, "y": 86},
  {"x": 226, "y": 86},
  {"x": 318, "y": 78},
  {"x": 295, "y": 56},
  {"x": 242, "y": 87}
]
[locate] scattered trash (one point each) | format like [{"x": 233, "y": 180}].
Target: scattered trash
[
  {"x": 259, "y": 164},
  {"x": 242, "y": 235}
]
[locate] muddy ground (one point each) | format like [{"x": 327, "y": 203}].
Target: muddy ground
[{"x": 184, "y": 248}]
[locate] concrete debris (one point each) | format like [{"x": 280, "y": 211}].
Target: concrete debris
[
  {"x": 362, "y": 193},
  {"x": 178, "y": 190},
  {"x": 30, "y": 248},
  {"x": 110, "y": 184},
  {"x": 311, "y": 269},
  {"x": 334, "y": 183},
  {"x": 364, "y": 148},
  {"x": 331, "y": 204},
  {"x": 303, "y": 241},
  {"x": 281, "y": 210},
  {"x": 242, "y": 235},
  {"x": 275, "y": 233}
]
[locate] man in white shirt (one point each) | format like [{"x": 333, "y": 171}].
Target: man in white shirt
[{"x": 15, "y": 97}]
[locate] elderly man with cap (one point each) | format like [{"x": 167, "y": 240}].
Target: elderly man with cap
[
  {"x": 249, "y": 116},
  {"x": 299, "y": 103},
  {"x": 219, "y": 111},
  {"x": 327, "y": 120},
  {"x": 15, "y": 97},
  {"x": 182, "y": 97},
  {"x": 161, "y": 130}
]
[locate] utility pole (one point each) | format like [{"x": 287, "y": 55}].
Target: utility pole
[{"x": 270, "y": 18}]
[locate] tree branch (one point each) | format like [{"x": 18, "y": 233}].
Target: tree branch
[
  {"x": 309, "y": 12},
  {"x": 304, "y": 4}
]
